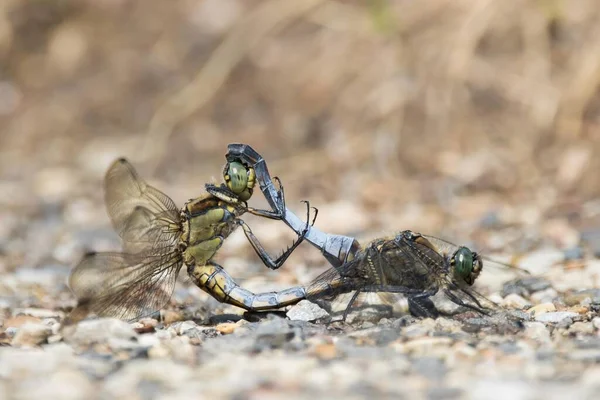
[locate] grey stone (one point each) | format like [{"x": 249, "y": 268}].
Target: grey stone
[
  {"x": 273, "y": 334},
  {"x": 430, "y": 367},
  {"x": 574, "y": 253},
  {"x": 31, "y": 334},
  {"x": 99, "y": 331},
  {"x": 585, "y": 296},
  {"x": 62, "y": 384},
  {"x": 584, "y": 328},
  {"x": 307, "y": 311},
  {"x": 587, "y": 355},
  {"x": 555, "y": 317},
  {"x": 525, "y": 286},
  {"x": 537, "y": 331},
  {"x": 39, "y": 312}
]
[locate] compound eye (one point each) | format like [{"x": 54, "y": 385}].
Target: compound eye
[
  {"x": 236, "y": 177},
  {"x": 463, "y": 263}
]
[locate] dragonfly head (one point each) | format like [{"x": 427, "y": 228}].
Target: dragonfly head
[
  {"x": 239, "y": 179},
  {"x": 466, "y": 265}
]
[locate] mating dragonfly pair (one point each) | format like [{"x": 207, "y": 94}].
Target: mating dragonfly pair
[{"x": 159, "y": 239}]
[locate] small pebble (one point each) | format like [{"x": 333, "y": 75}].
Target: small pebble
[
  {"x": 586, "y": 355},
  {"x": 585, "y": 328},
  {"x": 39, "y": 313},
  {"x": 169, "y": 317},
  {"x": 415, "y": 331},
  {"x": 165, "y": 334},
  {"x": 423, "y": 346},
  {"x": 182, "y": 327},
  {"x": 555, "y": 317},
  {"x": 585, "y": 296},
  {"x": 515, "y": 301},
  {"x": 99, "y": 331},
  {"x": 525, "y": 286},
  {"x": 158, "y": 351},
  {"x": 20, "y": 320},
  {"x": 592, "y": 238},
  {"x": 226, "y": 327},
  {"x": 579, "y": 309},
  {"x": 574, "y": 253},
  {"x": 31, "y": 334},
  {"x": 540, "y": 261},
  {"x": 543, "y": 296},
  {"x": 537, "y": 331},
  {"x": 541, "y": 309},
  {"x": 325, "y": 351},
  {"x": 145, "y": 325},
  {"x": 307, "y": 311}
]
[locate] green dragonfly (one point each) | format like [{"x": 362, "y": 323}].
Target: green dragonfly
[{"x": 159, "y": 239}]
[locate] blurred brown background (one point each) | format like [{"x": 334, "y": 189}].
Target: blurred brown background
[{"x": 458, "y": 118}]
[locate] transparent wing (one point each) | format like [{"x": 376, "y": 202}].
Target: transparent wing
[
  {"x": 442, "y": 246},
  {"x": 488, "y": 264},
  {"x": 447, "y": 248},
  {"x": 410, "y": 261},
  {"x": 461, "y": 294},
  {"x": 150, "y": 234},
  {"x": 376, "y": 287},
  {"x": 122, "y": 285},
  {"x": 336, "y": 281},
  {"x": 143, "y": 216},
  {"x": 468, "y": 297},
  {"x": 369, "y": 306}
]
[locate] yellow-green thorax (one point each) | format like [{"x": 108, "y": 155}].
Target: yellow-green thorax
[{"x": 206, "y": 222}]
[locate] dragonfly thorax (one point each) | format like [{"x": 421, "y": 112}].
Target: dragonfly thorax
[{"x": 206, "y": 222}]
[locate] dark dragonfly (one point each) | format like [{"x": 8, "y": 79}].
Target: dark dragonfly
[
  {"x": 412, "y": 265},
  {"x": 159, "y": 238}
]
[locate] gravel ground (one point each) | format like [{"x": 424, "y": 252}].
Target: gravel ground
[{"x": 546, "y": 345}]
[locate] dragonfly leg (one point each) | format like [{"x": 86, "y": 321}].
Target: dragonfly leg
[
  {"x": 214, "y": 280},
  {"x": 337, "y": 249},
  {"x": 421, "y": 306},
  {"x": 472, "y": 298},
  {"x": 350, "y": 304},
  {"x": 419, "y": 302},
  {"x": 262, "y": 253},
  {"x": 280, "y": 209},
  {"x": 460, "y": 302}
]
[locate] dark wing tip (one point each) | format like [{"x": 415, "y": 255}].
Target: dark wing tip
[
  {"x": 118, "y": 163},
  {"x": 90, "y": 253}
]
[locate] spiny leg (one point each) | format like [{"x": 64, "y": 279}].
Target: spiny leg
[
  {"x": 214, "y": 280},
  {"x": 421, "y": 306},
  {"x": 419, "y": 302},
  {"x": 262, "y": 253},
  {"x": 224, "y": 193},
  {"x": 337, "y": 249},
  {"x": 350, "y": 304},
  {"x": 460, "y": 302},
  {"x": 277, "y": 215},
  {"x": 472, "y": 298}
]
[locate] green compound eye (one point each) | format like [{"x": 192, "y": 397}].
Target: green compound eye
[
  {"x": 238, "y": 177},
  {"x": 463, "y": 263}
]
